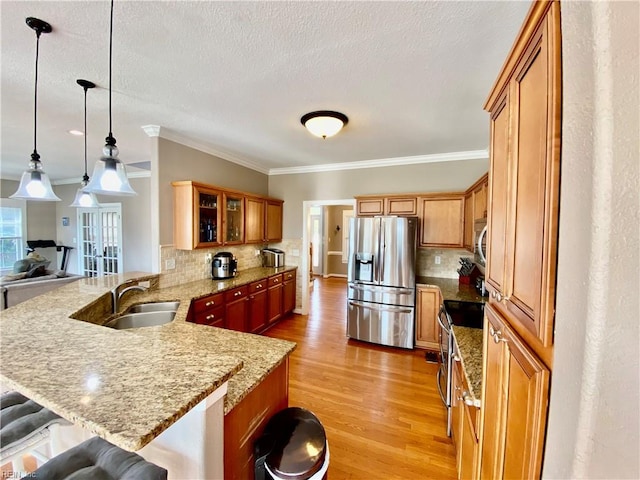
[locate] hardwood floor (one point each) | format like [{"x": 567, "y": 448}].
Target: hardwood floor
[{"x": 379, "y": 406}]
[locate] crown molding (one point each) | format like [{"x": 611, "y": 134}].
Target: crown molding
[
  {"x": 70, "y": 181},
  {"x": 162, "y": 132},
  {"x": 385, "y": 162}
]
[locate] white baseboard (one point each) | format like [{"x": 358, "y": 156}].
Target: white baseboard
[{"x": 339, "y": 275}]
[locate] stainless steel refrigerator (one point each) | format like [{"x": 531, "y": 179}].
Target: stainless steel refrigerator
[{"x": 382, "y": 283}]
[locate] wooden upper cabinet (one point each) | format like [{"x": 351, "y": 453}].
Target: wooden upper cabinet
[
  {"x": 442, "y": 219},
  {"x": 369, "y": 206},
  {"x": 524, "y": 191},
  {"x": 273, "y": 222},
  {"x": 515, "y": 401},
  {"x": 468, "y": 222},
  {"x": 402, "y": 206},
  {"x": 255, "y": 215},
  {"x": 206, "y": 216},
  {"x": 197, "y": 216},
  {"x": 427, "y": 308}
]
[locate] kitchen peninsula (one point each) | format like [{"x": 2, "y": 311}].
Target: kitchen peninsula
[{"x": 135, "y": 387}]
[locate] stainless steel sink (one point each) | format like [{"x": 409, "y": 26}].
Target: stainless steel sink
[
  {"x": 154, "y": 307},
  {"x": 141, "y": 319}
]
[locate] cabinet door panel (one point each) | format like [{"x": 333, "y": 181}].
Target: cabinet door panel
[
  {"x": 498, "y": 173},
  {"x": 236, "y": 315},
  {"x": 528, "y": 186},
  {"x": 515, "y": 399},
  {"x": 370, "y": 206},
  {"x": 254, "y": 220},
  {"x": 274, "y": 303},
  {"x": 257, "y": 311},
  {"x": 468, "y": 222},
  {"x": 274, "y": 221},
  {"x": 401, "y": 206},
  {"x": 442, "y": 221},
  {"x": 427, "y": 328}
]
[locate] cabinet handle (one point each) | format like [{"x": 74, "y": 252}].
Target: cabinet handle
[
  {"x": 275, "y": 280},
  {"x": 498, "y": 296},
  {"x": 208, "y": 304},
  {"x": 237, "y": 294},
  {"x": 505, "y": 299},
  {"x": 259, "y": 285},
  {"x": 493, "y": 294},
  {"x": 210, "y": 317},
  {"x": 497, "y": 336},
  {"x": 492, "y": 331}
]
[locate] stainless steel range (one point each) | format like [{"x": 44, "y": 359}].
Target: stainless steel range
[{"x": 381, "y": 274}]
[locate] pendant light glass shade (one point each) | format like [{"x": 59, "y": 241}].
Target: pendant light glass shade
[
  {"x": 324, "y": 123},
  {"x": 35, "y": 183},
  {"x": 109, "y": 174},
  {"x": 83, "y": 198}
]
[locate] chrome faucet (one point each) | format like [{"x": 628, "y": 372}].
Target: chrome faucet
[{"x": 115, "y": 296}]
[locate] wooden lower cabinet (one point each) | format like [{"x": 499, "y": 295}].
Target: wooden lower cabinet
[
  {"x": 515, "y": 402},
  {"x": 464, "y": 427},
  {"x": 208, "y": 311},
  {"x": 289, "y": 292},
  {"x": 274, "y": 298},
  {"x": 257, "y": 319},
  {"x": 236, "y": 308},
  {"x": 246, "y": 422},
  {"x": 427, "y": 307}
]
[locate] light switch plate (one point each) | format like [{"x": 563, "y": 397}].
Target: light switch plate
[
  {"x": 170, "y": 264},
  {"x": 437, "y": 259}
]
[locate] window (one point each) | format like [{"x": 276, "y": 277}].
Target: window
[{"x": 13, "y": 231}]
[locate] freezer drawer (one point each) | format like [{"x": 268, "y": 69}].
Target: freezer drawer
[
  {"x": 378, "y": 294},
  {"x": 382, "y": 324}
]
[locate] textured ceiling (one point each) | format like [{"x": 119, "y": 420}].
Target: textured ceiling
[{"x": 237, "y": 76}]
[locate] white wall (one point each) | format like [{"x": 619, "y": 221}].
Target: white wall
[{"x": 594, "y": 424}]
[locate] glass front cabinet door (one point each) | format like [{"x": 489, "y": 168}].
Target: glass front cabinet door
[
  {"x": 233, "y": 219},
  {"x": 208, "y": 217}
]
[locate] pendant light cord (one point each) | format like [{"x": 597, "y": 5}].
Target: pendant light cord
[
  {"x": 86, "y": 176},
  {"x": 110, "y": 61},
  {"x": 35, "y": 97}
]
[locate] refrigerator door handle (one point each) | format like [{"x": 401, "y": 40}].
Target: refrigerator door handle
[
  {"x": 374, "y": 288},
  {"x": 383, "y": 247},
  {"x": 381, "y": 308}
]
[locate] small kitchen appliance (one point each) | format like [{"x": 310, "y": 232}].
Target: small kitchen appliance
[
  {"x": 272, "y": 257},
  {"x": 224, "y": 265}
]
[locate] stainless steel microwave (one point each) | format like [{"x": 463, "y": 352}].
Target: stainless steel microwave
[{"x": 480, "y": 241}]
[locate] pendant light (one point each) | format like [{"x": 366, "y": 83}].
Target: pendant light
[
  {"x": 85, "y": 199},
  {"x": 110, "y": 174},
  {"x": 35, "y": 183},
  {"x": 324, "y": 123}
]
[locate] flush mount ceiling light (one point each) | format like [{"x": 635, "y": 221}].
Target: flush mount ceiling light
[
  {"x": 35, "y": 183},
  {"x": 110, "y": 174},
  {"x": 83, "y": 198},
  {"x": 324, "y": 123}
]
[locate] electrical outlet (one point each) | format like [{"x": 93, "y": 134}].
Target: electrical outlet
[
  {"x": 170, "y": 264},
  {"x": 256, "y": 252},
  {"x": 437, "y": 259},
  {"x": 208, "y": 257}
]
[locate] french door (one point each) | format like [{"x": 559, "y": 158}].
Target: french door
[{"x": 100, "y": 245}]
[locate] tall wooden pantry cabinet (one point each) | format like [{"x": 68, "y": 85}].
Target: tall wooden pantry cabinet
[{"x": 525, "y": 119}]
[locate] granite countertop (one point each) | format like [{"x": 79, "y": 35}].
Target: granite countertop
[
  {"x": 128, "y": 386},
  {"x": 469, "y": 347},
  {"x": 452, "y": 290}
]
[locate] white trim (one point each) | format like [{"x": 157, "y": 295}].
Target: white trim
[
  {"x": 162, "y": 132},
  {"x": 304, "y": 257},
  {"x": 70, "y": 181},
  {"x": 336, "y": 252},
  {"x": 385, "y": 162},
  {"x": 22, "y": 205},
  {"x": 340, "y": 275}
]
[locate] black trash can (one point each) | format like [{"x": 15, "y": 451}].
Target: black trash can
[{"x": 293, "y": 447}]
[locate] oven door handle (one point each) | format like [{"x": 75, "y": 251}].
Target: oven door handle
[
  {"x": 442, "y": 396},
  {"x": 442, "y": 325},
  {"x": 381, "y": 308}
]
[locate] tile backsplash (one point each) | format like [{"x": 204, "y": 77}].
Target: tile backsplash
[{"x": 449, "y": 261}]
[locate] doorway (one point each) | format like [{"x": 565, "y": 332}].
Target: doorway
[
  {"x": 316, "y": 224},
  {"x": 311, "y": 225},
  {"x": 100, "y": 246}
]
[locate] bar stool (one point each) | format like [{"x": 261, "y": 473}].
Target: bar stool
[
  {"x": 98, "y": 459},
  {"x": 24, "y": 427}
]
